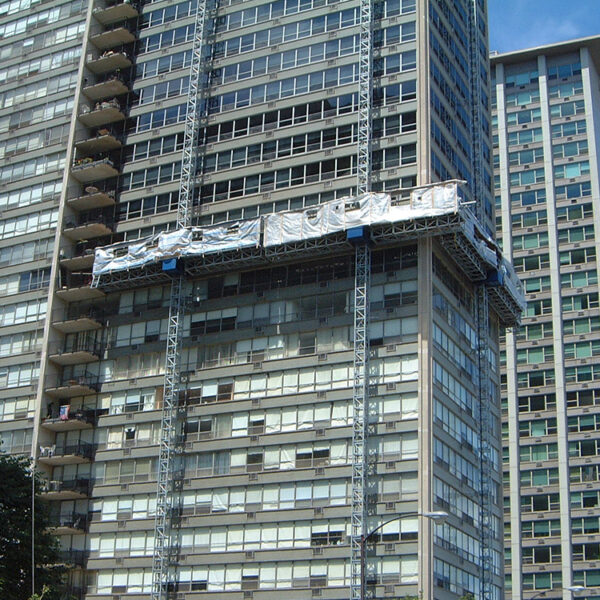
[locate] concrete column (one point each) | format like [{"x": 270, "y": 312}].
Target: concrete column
[
  {"x": 511, "y": 355},
  {"x": 425, "y": 292},
  {"x": 557, "y": 335}
]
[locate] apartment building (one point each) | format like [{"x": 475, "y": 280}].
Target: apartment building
[
  {"x": 546, "y": 124},
  {"x": 262, "y": 487}
]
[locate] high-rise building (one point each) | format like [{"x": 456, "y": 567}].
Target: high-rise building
[
  {"x": 256, "y": 430},
  {"x": 546, "y": 123}
]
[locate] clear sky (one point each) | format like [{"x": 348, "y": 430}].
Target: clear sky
[{"x": 518, "y": 24}]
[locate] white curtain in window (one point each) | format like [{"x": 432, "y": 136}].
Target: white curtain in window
[{"x": 288, "y": 457}]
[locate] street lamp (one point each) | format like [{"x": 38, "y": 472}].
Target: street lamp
[{"x": 439, "y": 516}]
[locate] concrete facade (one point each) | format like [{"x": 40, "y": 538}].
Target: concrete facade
[{"x": 546, "y": 124}]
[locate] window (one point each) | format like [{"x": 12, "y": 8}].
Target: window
[
  {"x": 524, "y": 116},
  {"x": 537, "y": 403},
  {"x": 578, "y": 256},
  {"x": 580, "y": 302},
  {"x": 567, "y": 109},
  {"x": 569, "y": 129},
  {"x": 526, "y": 136},
  {"x": 581, "y": 326},
  {"x": 527, "y": 177},
  {"x": 574, "y": 213},
  {"x": 537, "y": 428}
]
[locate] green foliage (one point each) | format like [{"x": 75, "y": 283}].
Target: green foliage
[
  {"x": 467, "y": 596},
  {"x": 15, "y": 535},
  {"x": 45, "y": 590}
]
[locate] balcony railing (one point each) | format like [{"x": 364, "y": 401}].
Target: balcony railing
[
  {"x": 106, "y": 139},
  {"x": 75, "y": 287},
  {"x": 95, "y": 197},
  {"x": 114, "y": 11},
  {"x": 108, "y": 87},
  {"x": 88, "y": 169},
  {"x": 109, "y": 60},
  {"x": 66, "y": 454},
  {"x": 80, "y": 350},
  {"x": 114, "y": 36},
  {"x": 101, "y": 113},
  {"x": 62, "y": 418},
  {"x": 90, "y": 225},
  {"x": 72, "y": 522},
  {"x": 76, "y": 558},
  {"x": 69, "y": 489}
]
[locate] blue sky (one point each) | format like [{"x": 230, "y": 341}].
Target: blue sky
[{"x": 518, "y": 24}]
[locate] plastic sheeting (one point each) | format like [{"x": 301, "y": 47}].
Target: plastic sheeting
[
  {"x": 241, "y": 234},
  {"x": 329, "y": 217},
  {"x": 181, "y": 242},
  {"x": 292, "y": 226},
  {"x": 279, "y": 228},
  {"x": 513, "y": 283}
]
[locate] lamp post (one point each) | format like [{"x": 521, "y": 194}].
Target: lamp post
[
  {"x": 574, "y": 589},
  {"x": 438, "y": 516}
]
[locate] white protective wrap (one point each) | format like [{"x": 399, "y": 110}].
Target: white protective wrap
[
  {"x": 182, "y": 242},
  {"x": 438, "y": 197},
  {"x": 241, "y": 234},
  {"x": 329, "y": 217}
]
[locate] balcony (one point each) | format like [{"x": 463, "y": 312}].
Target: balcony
[
  {"x": 103, "y": 113},
  {"x": 81, "y": 256},
  {"x": 89, "y": 226},
  {"x": 67, "y": 321},
  {"x": 112, "y": 86},
  {"x": 73, "y": 489},
  {"x": 108, "y": 61},
  {"x": 92, "y": 199},
  {"x": 86, "y": 170},
  {"x": 67, "y": 454},
  {"x": 80, "y": 261},
  {"x": 75, "y": 386},
  {"x": 104, "y": 141},
  {"x": 67, "y": 420},
  {"x": 117, "y": 36},
  {"x": 73, "y": 558},
  {"x": 78, "y": 352},
  {"x": 115, "y": 12},
  {"x": 75, "y": 287},
  {"x": 69, "y": 524}
]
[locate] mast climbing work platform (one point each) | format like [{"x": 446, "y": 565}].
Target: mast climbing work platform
[{"x": 334, "y": 228}]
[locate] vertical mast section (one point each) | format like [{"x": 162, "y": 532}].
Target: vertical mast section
[
  {"x": 475, "y": 64},
  {"x": 360, "y": 421},
  {"x": 165, "y": 538},
  {"x": 365, "y": 95},
  {"x": 486, "y": 432},
  {"x": 361, "y": 316},
  {"x": 485, "y": 416}
]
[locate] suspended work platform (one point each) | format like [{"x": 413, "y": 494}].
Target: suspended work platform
[{"x": 318, "y": 232}]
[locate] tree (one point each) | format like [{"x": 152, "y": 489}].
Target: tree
[{"x": 15, "y": 535}]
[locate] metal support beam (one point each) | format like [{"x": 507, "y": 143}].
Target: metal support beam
[
  {"x": 360, "y": 421},
  {"x": 475, "y": 80},
  {"x": 165, "y": 538},
  {"x": 361, "y": 313},
  {"x": 365, "y": 94},
  {"x": 486, "y": 431}
]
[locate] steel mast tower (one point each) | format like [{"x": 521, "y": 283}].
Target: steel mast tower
[
  {"x": 165, "y": 544},
  {"x": 482, "y": 307},
  {"x": 362, "y": 274}
]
